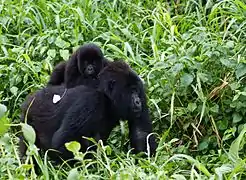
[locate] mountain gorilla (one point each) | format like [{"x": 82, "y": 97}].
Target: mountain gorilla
[
  {"x": 81, "y": 69},
  {"x": 91, "y": 112}
]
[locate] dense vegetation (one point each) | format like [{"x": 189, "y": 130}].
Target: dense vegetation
[{"x": 191, "y": 56}]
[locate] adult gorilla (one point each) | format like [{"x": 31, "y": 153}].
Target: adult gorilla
[{"x": 84, "y": 111}]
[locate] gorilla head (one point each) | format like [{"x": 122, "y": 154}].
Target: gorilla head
[
  {"x": 89, "y": 60},
  {"x": 82, "y": 68},
  {"x": 124, "y": 88}
]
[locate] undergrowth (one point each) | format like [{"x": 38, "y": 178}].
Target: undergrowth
[{"x": 190, "y": 54}]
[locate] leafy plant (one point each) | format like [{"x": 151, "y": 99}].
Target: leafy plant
[{"x": 190, "y": 54}]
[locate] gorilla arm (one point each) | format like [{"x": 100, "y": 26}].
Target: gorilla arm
[
  {"x": 140, "y": 130},
  {"x": 72, "y": 72},
  {"x": 140, "y": 127},
  {"x": 57, "y": 76}
]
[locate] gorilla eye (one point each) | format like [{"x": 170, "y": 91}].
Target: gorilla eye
[{"x": 134, "y": 91}]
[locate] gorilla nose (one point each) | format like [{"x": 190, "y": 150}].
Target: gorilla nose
[
  {"x": 90, "y": 69},
  {"x": 138, "y": 103}
]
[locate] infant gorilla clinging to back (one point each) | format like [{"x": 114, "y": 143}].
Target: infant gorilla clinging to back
[
  {"x": 87, "y": 112},
  {"x": 82, "y": 68}
]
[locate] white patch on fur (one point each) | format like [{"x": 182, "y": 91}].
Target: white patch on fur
[{"x": 56, "y": 98}]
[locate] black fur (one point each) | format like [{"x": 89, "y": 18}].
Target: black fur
[
  {"x": 81, "y": 69},
  {"x": 57, "y": 76},
  {"x": 93, "y": 113}
]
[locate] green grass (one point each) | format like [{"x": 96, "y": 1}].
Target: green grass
[{"x": 191, "y": 56}]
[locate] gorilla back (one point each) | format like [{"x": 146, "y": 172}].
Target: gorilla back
[
  {"x": 46, "y": 117},
  {"x": 92, "y": 113}
]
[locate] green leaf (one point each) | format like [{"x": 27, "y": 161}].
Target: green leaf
[
  {"x": 177, "y": 68},
  {"x": 115, "y": 48},
  {"x": 204, "y": 77},
  {"x": 73, "y": 146},
  {"x": 234, "y": 148},
  {"x": 14, "y": 90},
  {"x": 225, "y": 168},
  {"x": 129, "y": 49},
  {"x": 241, "y": 70},
  {"x": 28, "y": 133},
  {"x": 229, "y": 134},
  {"x": 3, "y": 127},
  {"x": 236, "y": 117},
  {"x": 223, "y": 124},
  {"x": 25, "y": 79},
  {"x": 191, "y": 107},
  {"x": 243, "y": 93},
  {"x": 236, "y": 97},
  {"x": 57, "y": 20},
  {"x": 186, "y": 79},
  {"x": 108, "y": 150},
  {"x": 178, "y": 176},
  {"x": 234, "y": 85},
  {"x": 228, "y": 63},
  {"x": 203, "y": 145},
  {"x": 199, "y": 165},
  {"x": 3, "y": 110},
  {"x": 61, "y": 43},
  {"x": 64, "y": 54},
  {"x": 230, "y": 44},
  {"x": 26, "y": 166},
  {"x": 73, "y": 174},
  {"x": 215, "y": 108},
  {"x": 51, "y": 53},
  {"x": 43, "y": 49}
]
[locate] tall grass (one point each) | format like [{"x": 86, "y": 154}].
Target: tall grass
[{"x": 190, "y": 54}]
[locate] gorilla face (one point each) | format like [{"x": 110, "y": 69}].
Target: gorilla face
[
  {"x": 125, "y": 89},
  {"x": 91, "y": 68},
  {"x": 90, "y": 60},
  {"x": 136, "y": 102}
]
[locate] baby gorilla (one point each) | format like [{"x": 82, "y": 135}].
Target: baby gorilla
[
  {"x": 89, "y": 112},
  {"x": 81, "y": 69}
]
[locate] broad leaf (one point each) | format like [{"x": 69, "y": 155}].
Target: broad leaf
[
  {"x": 61, "y": 43},
  {"x": 73, "y": 174},
  {"x": 236, "y": 117},
  {"x": 241, "y": 70},
  {"x": 28, "y": 133},
  {"x": 51, "y": 53},
  {"x": 186, "y": 79},
  {"x": 3, "y": 110},
  {"x": 64, "y": 54},
  {"x": 73, "y": 146},
  {"x": 234, "y": 149}
]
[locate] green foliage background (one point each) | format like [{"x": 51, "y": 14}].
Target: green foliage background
[{"x": 191, "y": 56}]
